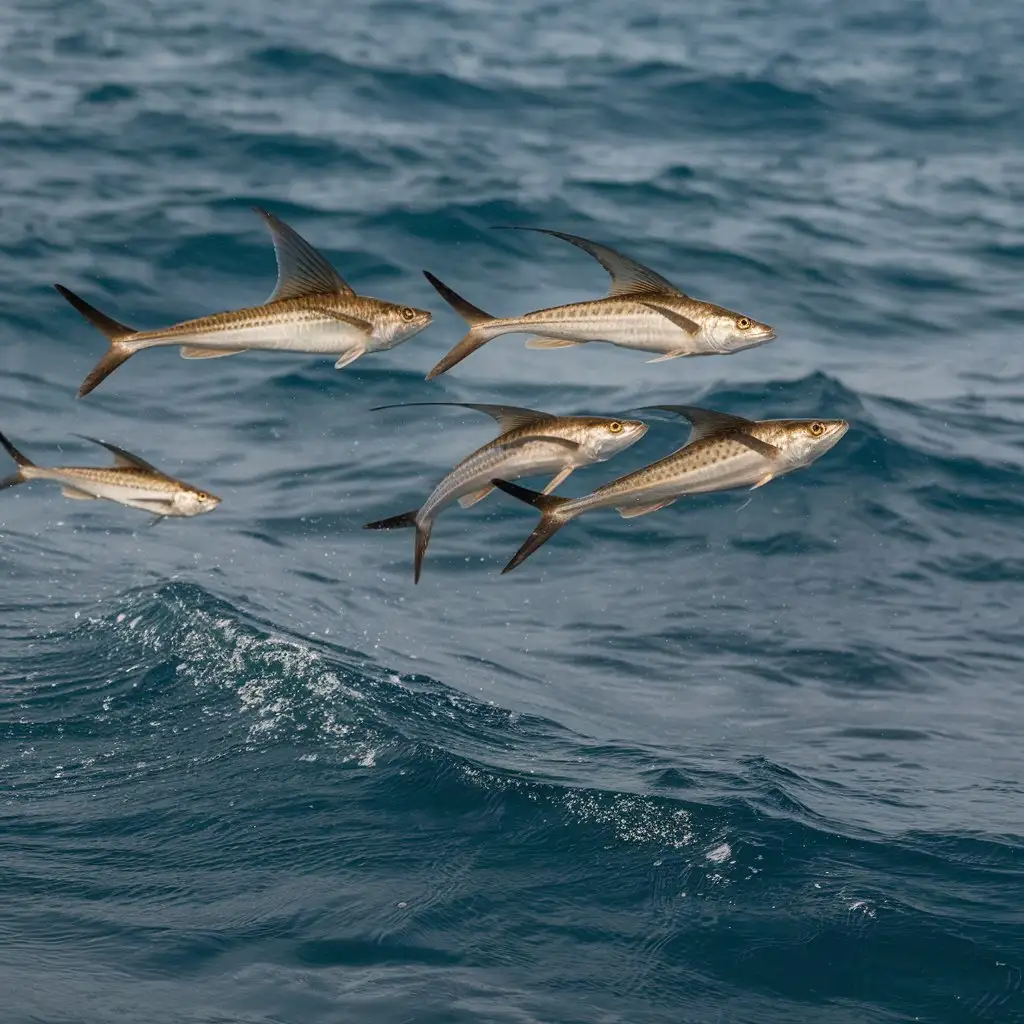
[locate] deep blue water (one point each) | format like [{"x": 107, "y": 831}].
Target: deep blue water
[{"x": 756, "y": 758}]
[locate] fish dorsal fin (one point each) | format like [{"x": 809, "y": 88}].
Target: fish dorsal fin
[
  {"x": 628, "y": 276},
  {"x": 709, "y": 423},
  {"x": 301, "y": 270},
  {"x": 123, "y": 458},
  {"x": 508, "y": 417}
]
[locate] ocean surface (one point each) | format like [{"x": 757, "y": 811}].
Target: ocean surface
[{"x": 755, "y": 758}]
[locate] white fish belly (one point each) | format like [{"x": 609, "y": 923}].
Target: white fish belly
[
  {"x": 535, "y": 458},
  {"x": 645, "y": 332},
  {"x": 327, "y": 336}
]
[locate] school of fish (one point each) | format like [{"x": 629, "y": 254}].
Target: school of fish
[{"x": 312, "y": 309}]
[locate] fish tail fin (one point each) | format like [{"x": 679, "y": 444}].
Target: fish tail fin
[
  {"x": 552, "y": 519},
  {"x": 407, "y": 519},
  {"x": 115, "y": 332},
  {"x": 481, "y": 326},
  {"x": 22, "y": 462}
]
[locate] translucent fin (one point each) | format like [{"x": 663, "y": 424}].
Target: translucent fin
[
  {"x": 194, "y": 352},
  {"x": 666, "y": 357},
  {"x": 349, "y": 357},
  {"x": 558, "y": 479},
  {"x": 628, "y": 276},
  {"x": 766, "y": 479},
  {"x": 551, "y": 343},
  {"x": 633, "y": 511},
  {"x": 301, "y": 270},
  {"x": 708, "y": 422},
  {"x": 508, "y": 417},
  {"x": 76, "y": 495},
  {"x": 122, "y": 457},
  {"x": 471, "y": 499}
]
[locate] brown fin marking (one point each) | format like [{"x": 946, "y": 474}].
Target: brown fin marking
[
  {"x": 684, "y": 323},
  {"x": 478, "y": 321},
  {"x": 195, "y": 352},
  {"x": 422, "y": 535},
  {"x": 115, "y": 333},
  {"x": 468, "y": 500},
  {"x": 550, "y": 520},
  {"x": 633, "y": 511},
  {"x": 77, "y": 494},
  {"x": 628, "y": 276}
]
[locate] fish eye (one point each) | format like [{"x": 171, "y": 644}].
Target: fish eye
[
  {"x": 817, "y": 429},
  {"x": 743, "y": 323},
  {"x": 615, "y": 427},
  {"x": 407, "y": 313}
]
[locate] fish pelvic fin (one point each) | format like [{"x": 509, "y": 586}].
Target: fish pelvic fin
[
  {"x": 481, "y": 327},
  {"x": 21, "y": 461},
  {"x": 552, "y": 519},
  {"x": 407, "y": 519},
  {"x": 115, "y": 332}
]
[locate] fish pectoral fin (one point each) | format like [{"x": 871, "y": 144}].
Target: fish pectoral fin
[
  {"x": 471, "y": 499},
  {"x": 77, "y": 495},
  {"x": 544, "y": 343},
  {"x": 353, "y": 321},
  {"x": 632, "y": 511},
  {"x": 301, "y": 270},
  {"x": 158, "y": 506},
  {"x": 684, "y": 323},
  {"x": 628, "y": 276},
  {"x": 195, "y": 352},
  {"x": 558, "y": 479},
  {"x": 349, "y": 357},
  {"x": 766, "y": 479},
  {"x": 769, "y": 451},
  {"x": 666, "y": 357}
]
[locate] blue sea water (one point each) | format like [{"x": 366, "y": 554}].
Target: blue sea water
[{"x": 756, "y": 758}]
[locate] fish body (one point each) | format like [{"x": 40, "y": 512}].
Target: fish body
[
  {"x": 130, "y": 481},
  {"x": 643, "y": 311},
  {"x": 724, "y": 452},
  {"x": 532, "y": 443},
  {"x": 310, "y": 310}
]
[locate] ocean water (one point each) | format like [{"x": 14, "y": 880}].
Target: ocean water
[{"x": 756, "y": 758}]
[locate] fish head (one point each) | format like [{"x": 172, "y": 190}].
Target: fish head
[
  {"x": 191, "y": 501},
  {"x": 733, "y": 332},
  {"x": 602, "y": 437},
  {"x": 394, "y": 324},
  {"x": 804, "y": 441}
]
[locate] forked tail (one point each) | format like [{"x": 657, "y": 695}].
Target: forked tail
[
  {"x": 481, "y": 326},
  {"x": 552, "y": 518},
  {"x": 116, "y": 333},
  {"x": 20, "y": 460},
  {"x": 422, "y": 535}
]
